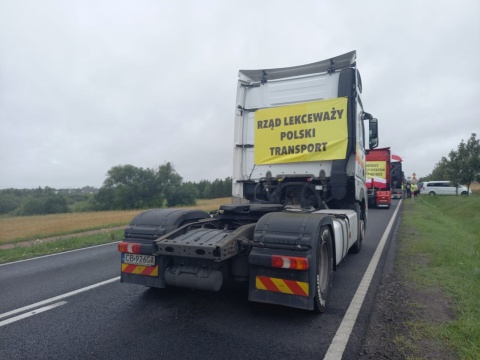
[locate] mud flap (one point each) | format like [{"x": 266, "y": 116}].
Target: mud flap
[{"x": 285, "y": 234}]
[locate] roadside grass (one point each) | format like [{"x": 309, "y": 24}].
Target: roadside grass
[
  {"x": 40, "y": 248},
  {"x": 439, "y": 248},
  {"x": 24, "y": 228},
  {"x": 18, "y": 230}
]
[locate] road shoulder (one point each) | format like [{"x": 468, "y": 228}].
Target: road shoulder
[{"x": 401, "y": 313}]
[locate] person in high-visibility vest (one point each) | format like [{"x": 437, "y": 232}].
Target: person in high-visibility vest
[
  {"x": 403, "y": 189},
  {"x": 413, "y": 189}
]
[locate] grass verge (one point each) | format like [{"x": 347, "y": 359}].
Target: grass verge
[
  {"x": 39, "y": 247},
  {"x": 439, "y": 252}
]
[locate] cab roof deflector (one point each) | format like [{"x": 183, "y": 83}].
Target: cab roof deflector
[{"x": 339, "y": 62}]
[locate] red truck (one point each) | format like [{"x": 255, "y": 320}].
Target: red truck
[{"x": 378, "y": 182}]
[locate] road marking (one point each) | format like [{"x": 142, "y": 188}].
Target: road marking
[
  {"x": 31, "y": 313},
  {"x": 339, "y": 342},
  {"x": 59, "y": 297},
  {"x": 60, "y": 253}
]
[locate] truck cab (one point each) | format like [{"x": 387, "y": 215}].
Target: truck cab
[
  {"x": 299, "y": 200},
  {"x": 300, "y": 136}
]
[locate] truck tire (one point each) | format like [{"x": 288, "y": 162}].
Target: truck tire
[
  {"x": 324, "y": 274},
  {"x": 361, "y": 230}
]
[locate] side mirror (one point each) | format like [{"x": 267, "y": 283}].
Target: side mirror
[{"x": 373, "y": 133}]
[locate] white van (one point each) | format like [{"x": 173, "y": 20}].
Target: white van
[{"x": 443, "y": 188}]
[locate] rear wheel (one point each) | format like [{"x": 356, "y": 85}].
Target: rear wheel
[{"x": 323, "y": 280}]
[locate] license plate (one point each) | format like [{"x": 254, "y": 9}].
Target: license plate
[{"x": 136, "y": 259}]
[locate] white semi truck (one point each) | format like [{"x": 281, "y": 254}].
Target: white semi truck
[{"x": 299, "y": 200}]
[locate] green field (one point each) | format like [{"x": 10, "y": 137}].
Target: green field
[{"x": 439, "y": 253}]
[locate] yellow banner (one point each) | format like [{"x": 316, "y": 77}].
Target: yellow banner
[
  {"x": 312, "y": 131},
  {"x": 377, "y": 168}
]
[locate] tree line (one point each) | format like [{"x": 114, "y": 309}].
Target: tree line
[
  {"x": 126, "y": 187},
  {"x": 462, "y": 166}
]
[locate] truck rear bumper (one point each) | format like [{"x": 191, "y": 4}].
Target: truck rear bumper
[
  {"x": 397, "y": 194},
  {"x": 151, "y": 276},
  {"x": 384, "y": 198},
  {"x": 150, "y": 281}
]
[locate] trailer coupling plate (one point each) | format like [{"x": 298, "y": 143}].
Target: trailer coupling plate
[{"x": 212, "y": 244}]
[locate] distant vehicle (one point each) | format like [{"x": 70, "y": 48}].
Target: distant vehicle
[
  {"x": 443, "y": 188},
  {"x": 396, "y": 179},
  {"x": 378, "y": 181}
]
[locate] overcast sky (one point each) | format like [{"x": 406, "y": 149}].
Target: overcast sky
[{"x": 88, "y": 85}]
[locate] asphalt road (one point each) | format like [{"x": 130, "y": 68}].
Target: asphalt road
[{"x": 57, "y": 307}]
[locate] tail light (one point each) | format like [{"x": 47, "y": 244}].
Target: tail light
[
  {"x": 126, "y": 247},
  {"x": 289, "y": 262}
]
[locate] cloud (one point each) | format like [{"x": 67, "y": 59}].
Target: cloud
[{"x": 85, "y": 86}]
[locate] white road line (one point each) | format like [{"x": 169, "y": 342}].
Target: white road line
[
  {"x": 31, "y": 313},
  {"x": 59, "y": 297},
  {"x": 339, "y": 342}
]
